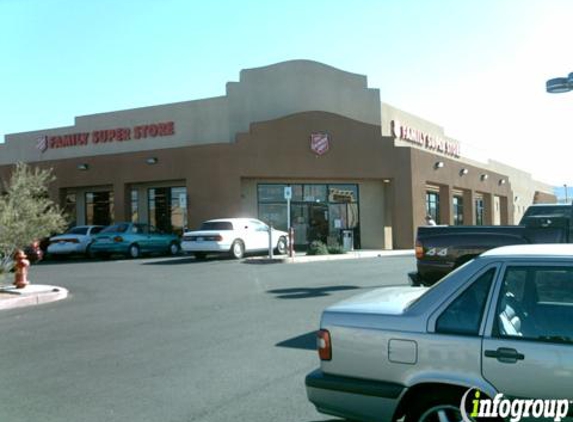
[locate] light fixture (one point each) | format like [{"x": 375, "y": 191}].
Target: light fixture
[
  {"x": 439, "y": 165},
  {"x": 386, "y": 180},
  {"x": 83, "y": 166},
  {"x": 463, "y": 172},
  {"x": 151, "y": 160},
  {"x": 502, "y": 181},
  {"x": 484, "y": 177}
]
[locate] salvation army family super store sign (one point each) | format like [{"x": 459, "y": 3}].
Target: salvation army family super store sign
[{"x": 103, "y": 136}]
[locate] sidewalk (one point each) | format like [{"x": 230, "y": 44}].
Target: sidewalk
[
  {"x": 301, "y": 257},
  {"x": 34, "y": 294}
]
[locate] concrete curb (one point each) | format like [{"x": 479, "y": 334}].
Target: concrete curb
[
  {"x": 319, "y": 258},
  {"x": 36, "y": 294}
]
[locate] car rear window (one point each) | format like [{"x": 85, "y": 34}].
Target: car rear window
[
  {"x": 78, "y": 230},
  {"x": 548, "y": 211},
  {"x": 116, "y": 228},
  {"x": 217, "y": 225}
]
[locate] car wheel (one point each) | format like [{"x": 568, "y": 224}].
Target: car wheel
[
  {"x": 237, "y": 249},
  {"x": 437, "y": 407},
  {"x": 134, "y": 251},
  {"x": 281, "y": 248},
  {"x": 173, "y": 249}
]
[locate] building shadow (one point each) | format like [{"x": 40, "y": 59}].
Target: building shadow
[
  {"x": 309, "y": 292},
  {"x": 305, "y": 342}
]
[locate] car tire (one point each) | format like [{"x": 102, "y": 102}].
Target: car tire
[
  {"x": 134, "y": 251},
  {"x": 238, "y": 249},
  {"x": 173, "y": 249},
  {"x": 281, "y": 248}
]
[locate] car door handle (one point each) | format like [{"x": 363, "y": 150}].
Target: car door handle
[{"x": 505, "y": 355}]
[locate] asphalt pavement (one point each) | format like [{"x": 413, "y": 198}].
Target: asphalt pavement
[{"x": 174, "y": 340}]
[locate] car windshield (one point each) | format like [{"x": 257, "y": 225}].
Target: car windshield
[
  {"x": 116, "y": 228},
  {"x": 216, "y": 225},
  {"x": 77, "y": 230}
]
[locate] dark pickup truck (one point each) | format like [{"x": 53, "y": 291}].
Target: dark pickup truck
[{"x": 441, "y": 249}]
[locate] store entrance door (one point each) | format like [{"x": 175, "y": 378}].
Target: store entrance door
[{"x": 318, "y": 222}]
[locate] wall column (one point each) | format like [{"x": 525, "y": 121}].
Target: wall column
[
  {"x": 446, "y": 199},
  {"x": 469, "y": 207},
  {"x": 504, "y": 210},
  {"x": 120, "y": 200}
]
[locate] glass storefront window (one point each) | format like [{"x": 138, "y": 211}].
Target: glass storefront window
[
  {"x": 314, "y": 193},
  {"x": 342, "y": 193},
  {"x": 296, "y": 193},
  {"x": 167, "y": 207},
  {"x": 272, "y": 193},
  {"x": 274, "y": 214},
  {"x": 479, "y": 207},
  {"x": 458, "y": 203},
  {"x": 433, "y": 205},
  {"x": 99, "y": 208},
  {"x": 134, "y": 206},
  {"x": 318, "y": 211}
]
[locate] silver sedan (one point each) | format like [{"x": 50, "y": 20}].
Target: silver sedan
[{"x": 496, "y": 329}]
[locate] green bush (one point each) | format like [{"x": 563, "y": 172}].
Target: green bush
[
  {"x": 317, "y": 248},
  {"x": 336, "y": 250}
]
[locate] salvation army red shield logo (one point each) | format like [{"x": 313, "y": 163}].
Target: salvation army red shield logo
[
  {"x": 42, "y": 143},
  {"x": 319, "y": 143}
]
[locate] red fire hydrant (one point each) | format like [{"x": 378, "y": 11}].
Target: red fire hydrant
[{"x": 21, "y": 266}]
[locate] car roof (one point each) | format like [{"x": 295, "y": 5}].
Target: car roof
[
  {"x": 539, "y": 250},
  {"x": 230, "y": 220}
]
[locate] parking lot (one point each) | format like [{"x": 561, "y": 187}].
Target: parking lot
[{"x": 172, "y": 339}]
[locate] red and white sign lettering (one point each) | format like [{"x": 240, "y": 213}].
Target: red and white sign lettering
[
  {"x": 417, "y": 137},
  {"x": 319, "y": 143},
  {"x": 103, "y": 136}
]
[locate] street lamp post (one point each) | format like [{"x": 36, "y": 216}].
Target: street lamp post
[{"x": 560, "y": 86}]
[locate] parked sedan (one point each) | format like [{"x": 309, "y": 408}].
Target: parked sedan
[
  {"x": 77, "y": 240},
  {"x": 500, "y": 324},
  {"x": 132, "y": 240},
  {"x": 234, "y": 236}
]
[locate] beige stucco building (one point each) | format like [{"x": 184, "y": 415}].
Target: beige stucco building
[{"x": 350, "y": 162}]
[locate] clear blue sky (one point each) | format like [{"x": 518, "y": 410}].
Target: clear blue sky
[{"x": 477, "y": 68}]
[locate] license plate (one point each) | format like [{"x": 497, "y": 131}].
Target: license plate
[{"x": 199, "y": 239}]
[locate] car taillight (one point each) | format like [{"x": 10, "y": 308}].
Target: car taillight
[
  {"x": 218, "y": 238},
  {"x": 324, "y": 345},
  {"x": 419, "y": 250},
  {"x": 118, "y": 239}
]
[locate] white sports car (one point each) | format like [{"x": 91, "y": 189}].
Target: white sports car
[{"x": 236, "y": 236}]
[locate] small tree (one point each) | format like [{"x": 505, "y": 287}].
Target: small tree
[{"x": 27, "y": 213}]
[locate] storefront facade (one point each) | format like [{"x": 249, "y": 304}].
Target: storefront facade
[{"x": 346, "y": 161}]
